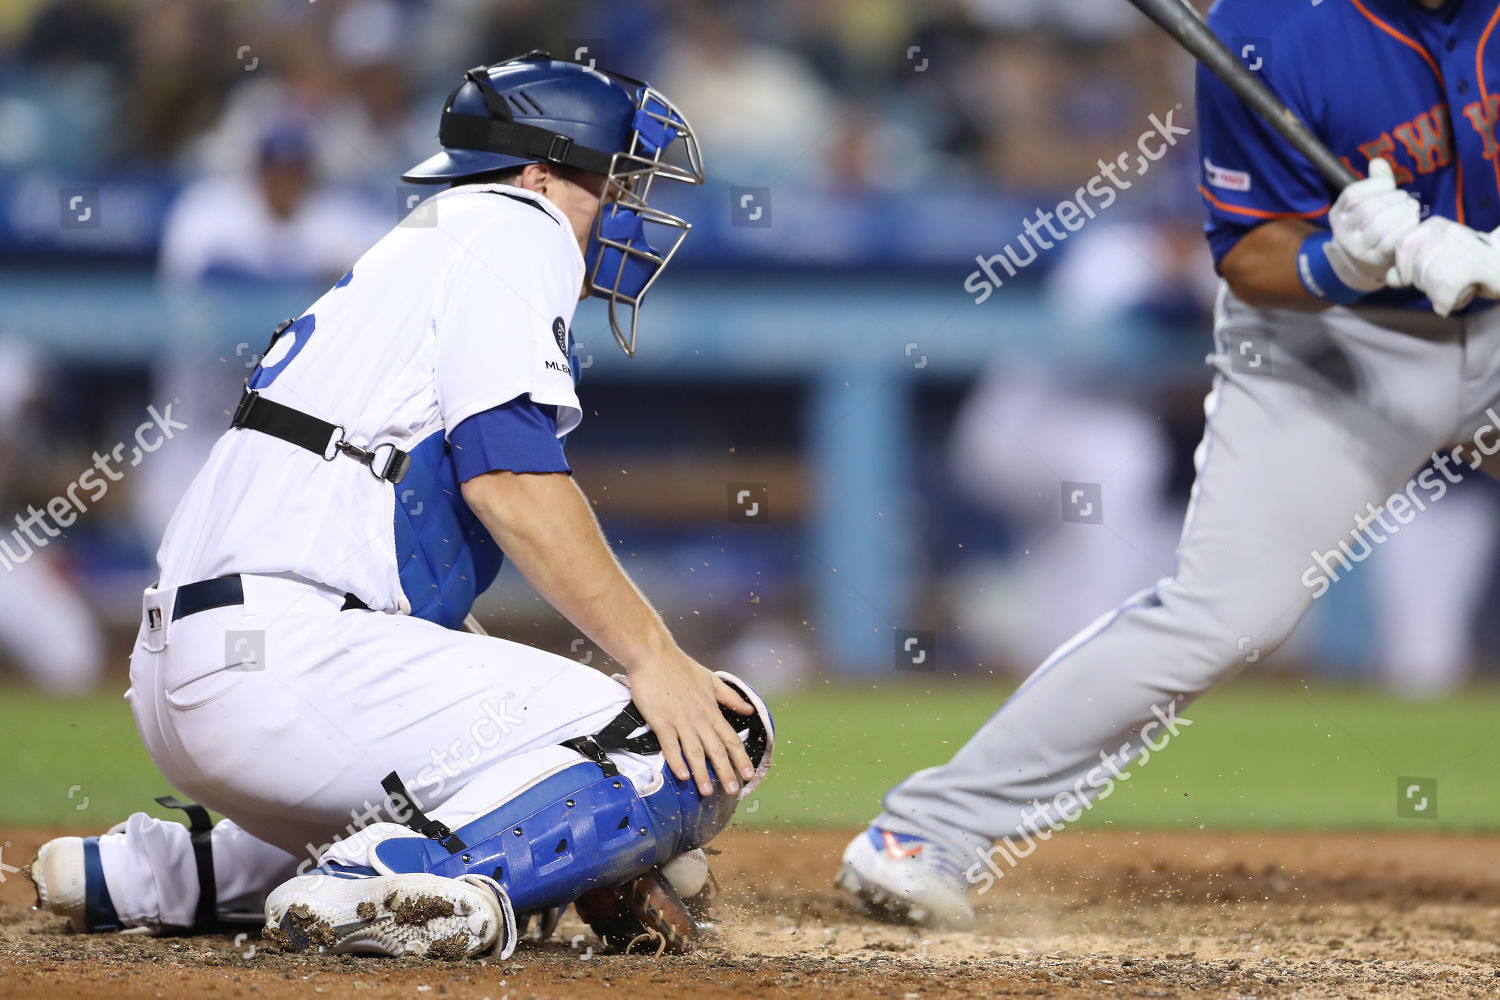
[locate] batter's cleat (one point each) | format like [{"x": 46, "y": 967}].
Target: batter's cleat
[
  {"x": 69, "y": 882},
  {"x": 906, "y": 879},
  {"x": 357, "y": 911}
]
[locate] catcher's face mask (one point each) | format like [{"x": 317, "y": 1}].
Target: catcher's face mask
[{"x": 621, "y": 259}]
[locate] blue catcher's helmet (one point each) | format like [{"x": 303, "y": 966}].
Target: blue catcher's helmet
[{"x": 537, "y": 109}]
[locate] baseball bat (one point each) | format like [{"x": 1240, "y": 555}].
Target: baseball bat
[{"x": 1183, "y": 23}]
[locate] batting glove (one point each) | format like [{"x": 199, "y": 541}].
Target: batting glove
[
  {"x": 1369, "y": 221},
  {"x": 1450, "y": 262}
]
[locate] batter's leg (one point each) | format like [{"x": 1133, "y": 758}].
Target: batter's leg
[{"x": 1287, "y": 461}]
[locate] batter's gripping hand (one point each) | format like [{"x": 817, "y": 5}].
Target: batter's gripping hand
[
  {"x": 1450, "y": 262},
  {"x": 1369, "y": 221}
]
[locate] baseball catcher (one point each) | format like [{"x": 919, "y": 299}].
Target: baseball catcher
[{"x": 302, "y": 665}]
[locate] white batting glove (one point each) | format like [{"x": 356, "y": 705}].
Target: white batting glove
[
  {"x": 1450, "y": 262},
  {"x": 1369, "y": 220}
]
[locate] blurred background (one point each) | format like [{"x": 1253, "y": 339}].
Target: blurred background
[{"x": 830, "y": 443}]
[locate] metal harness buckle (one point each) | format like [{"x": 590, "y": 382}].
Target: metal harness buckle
[
  {"x": 392, "y": 470},
  {"x": 246, "y": 404},
  {"x": 336, "y": 443}
]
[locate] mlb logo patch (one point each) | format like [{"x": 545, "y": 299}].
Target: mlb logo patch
[
  {"x": 1222, "y": 177},
  {"x": 153, "y": 619}
]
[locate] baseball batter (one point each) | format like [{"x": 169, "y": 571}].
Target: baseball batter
[
  {"x": 1349, "y": 350},
  {"x": 300, "y": 665}
]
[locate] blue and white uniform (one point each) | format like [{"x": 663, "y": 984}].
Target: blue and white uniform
[
  {"x": 300, "y": 666},
  {"x": 449, "y": 340},
  {"x": 1431, "y": 109}
]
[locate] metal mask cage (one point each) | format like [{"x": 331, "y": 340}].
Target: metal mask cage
[{"x": 628, "y": 188}]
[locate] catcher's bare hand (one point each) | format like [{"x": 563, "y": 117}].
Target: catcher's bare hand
[{"x": 679, "y": 699}]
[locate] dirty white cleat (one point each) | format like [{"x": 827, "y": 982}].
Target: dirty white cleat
[
  {"x": 57, "y": 872},
  {"x": 346, "y": 910},
  {"x": 70, "y": 883},
  {"x": 907, "y": 879}
]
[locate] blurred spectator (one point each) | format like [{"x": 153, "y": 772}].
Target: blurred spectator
[
  {"x": 1428, "y": 587},
  {"x": 1024, "y": 431},
  {"x": 47, "y": 629},
  {"x": 757, "y": 110},
  {"x": 69, "y": 32},
  {"x": 184, "y": 66},
  {"x": 1019, "y": 93},
  {"x": 1093, "y": 20},
  {"x": 372, "y": 133},
  {"x": 349, "y": 83},
  {"x": 502, "y": 30},
  {"x": 1019, "y": 436},
  {"x": 273, "y": 223},
  {"x": 1115, "y": 268}
]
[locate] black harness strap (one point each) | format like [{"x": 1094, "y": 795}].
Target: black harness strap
[
  {"x": 589, "y": 747},
  {"x": 401, "y": 802},
  {"x": 501, "y": 133},
  {"x": 616, "y": 736},
  {"x": 257, "y": 413},
  {"x": 290, "y": 425},
  {"x": 200, "y": 831},
  {"x": 527, "y": 142}
]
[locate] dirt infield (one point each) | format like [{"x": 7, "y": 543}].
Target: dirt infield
[{"x": 1088, "y": 915}]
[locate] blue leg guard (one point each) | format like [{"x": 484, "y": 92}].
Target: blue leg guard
[{"x": 584, "y": 826}]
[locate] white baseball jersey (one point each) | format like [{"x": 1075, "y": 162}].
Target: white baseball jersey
[{"x": 463, "y": 307}]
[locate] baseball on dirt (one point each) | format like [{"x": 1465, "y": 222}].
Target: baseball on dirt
[{"x": 687, "y": 872}]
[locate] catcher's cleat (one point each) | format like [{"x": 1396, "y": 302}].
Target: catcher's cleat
[
  {"x": 355, "y": 911},
  {"x": 69, "y": 882},
  {"x": 645, "y": 913},
  {"x": 906, "y": 879}
]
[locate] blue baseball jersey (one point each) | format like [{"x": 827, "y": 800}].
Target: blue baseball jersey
[{"x": 1371, "y": 78}]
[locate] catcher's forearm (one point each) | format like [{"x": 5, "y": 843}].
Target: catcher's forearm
[{"x": 544, "y": 525}]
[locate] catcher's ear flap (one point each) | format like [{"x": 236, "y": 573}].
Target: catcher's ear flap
[{"x": 760, "y": 733}]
